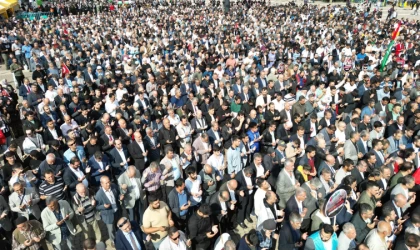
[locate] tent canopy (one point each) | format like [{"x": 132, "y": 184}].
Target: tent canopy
[{"x": 2, "y": 9}]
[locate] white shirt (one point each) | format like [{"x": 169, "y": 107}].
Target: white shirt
[
  {"x": 80, "y": 174},
  {"x": 313, "y": 127},
  {"x": 141, "y": 145},
  {"x": 110, "y": 195},
  {"x": 300, "y": 205},
  {"x": 259, "y": 200},
  {"x": 260, "y": 170},
  {"x": 111, "y": 107},
  {"x": 248, "y": 182},
  {"x": 122, "y": 155},
  {"x": 339, "y": 176},
  {"x": 135, "y": 187},
  {"x": 232, "y": 194},
  {"x": 54, "y": 133}
]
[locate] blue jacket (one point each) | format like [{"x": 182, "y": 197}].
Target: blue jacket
[
  {"x": 121, "y": 242},
  {"x": 252, "y": 136},
  {"x": 318, "y": 243}
]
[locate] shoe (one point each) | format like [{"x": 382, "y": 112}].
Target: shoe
[
  {"x": 243, "y": 225},
  {"x": 249, "y": 220}
]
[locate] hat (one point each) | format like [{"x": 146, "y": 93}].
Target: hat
[
  {"x": 281, "y": 144},
  {"x": 20, "y": 220},
  {"x": 270, "y": 150},
  {"x": 99, "y": 67},
  {"x": 269, "y": 224}
]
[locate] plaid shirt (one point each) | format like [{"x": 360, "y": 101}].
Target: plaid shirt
[
  {"x": 264, "y": 241},
  {"x": 28, "y": 234}
]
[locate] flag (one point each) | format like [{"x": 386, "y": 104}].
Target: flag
[
  {"x": 64, "y": 70},
  {"x": 394, "y": 35},
  {"x": 39, "y": 2}
]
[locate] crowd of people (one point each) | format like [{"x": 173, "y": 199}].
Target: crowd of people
[{"x": 181, "y": 125}]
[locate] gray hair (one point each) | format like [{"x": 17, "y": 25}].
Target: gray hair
[
  {"x": 315, "y": 182},
  {"x": 50, "y": 199},
  {"x": 153, "y": 165},
  {"x": 295, "y": 217},
  {"x": 320, "y": 136},
  {"x": 363, "y": 133},
  {"x": 347, "y": 227},
  {"x": 300, "y": 191},
  {"x": 50, "y": 156}
]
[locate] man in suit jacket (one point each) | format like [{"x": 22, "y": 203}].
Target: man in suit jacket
[
  {"x": 290, "y": 234},
  {"x": 120, "y": 158},
  {"x": 351, "y": 127},
  {"x": 139, "y": 151},
  {"x": 107, "y": 140},
  {"x": 24, "y": 90},
  {"x": 50, "y": 130},
  {"x": 100, "y": 166},
  {"x": 283, "y": 132},
  {"x": 245, "y": 188},
  {"x": 395, "y": 142},
  {"x": 310, "y": 203},
  {"x": 153, "y": 146},
  {"x": 24, "y": 201},
  {"x": 108, "y": 204},
  {"x": 359, "y": 221},
  {"x": 286, "y": 183},
  {"x": 350, "y": 148},
  {"x": 293, "y": 207},
  {"x": 134, "y": 196},
  {"x": 75, "y": 174},
  {"x": 363, "y": 142},
  {"x": 219, "y": 204},
  {"x": 53, "y": 216},
  {"x": 131, "y": 230}
]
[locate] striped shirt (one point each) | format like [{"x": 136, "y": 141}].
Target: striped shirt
[
  {"x": 86, "y": 202},
  {"x": 55, "y": 189}
]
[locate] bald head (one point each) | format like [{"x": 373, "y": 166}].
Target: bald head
[
  {"x": 232, "y": 184},
  {"x": 384, "y": 228},
  {"x": 81, "y": 189},
  {"x": 330, "y": 159}
]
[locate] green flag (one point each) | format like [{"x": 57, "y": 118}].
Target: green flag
[
  {"x": 388, "y": 52},
  {"x": 39, "y": 2}
]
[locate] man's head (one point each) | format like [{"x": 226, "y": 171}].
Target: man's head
[
  {"x": 271, "y": 197},
  {"x": 21, "y": 223},
  {"x": 154, "y": 201},
  {"x": 124, "y": 225},
  {"x": 105, "y": 183},
  {"x": 295, "y": 220},
  {"x": 52, "y": 203},
  {"x": 349, "y": 230},
  {"x": 300, "y": 194},
  {"x": 366, "y": 211},
  {"x": 384, "y": 229},
  {"x": 326, "y": 231}
]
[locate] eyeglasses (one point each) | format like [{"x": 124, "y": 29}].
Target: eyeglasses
[
  {"x": 123, "y": 223},
  {"x": 175, "y": 239}
]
